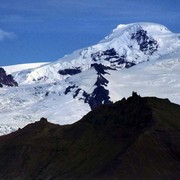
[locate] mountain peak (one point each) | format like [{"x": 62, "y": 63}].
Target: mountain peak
[
  {"x": 125, "y": 29},
  {"x": 144, "y": 25},
  {"x": 142, "y": 57},
  {"x": 126, "y": 46}
]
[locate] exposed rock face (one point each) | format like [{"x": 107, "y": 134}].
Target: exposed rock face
[
  {"x": 100, "y": 94},
  {"x": 6, "y": 79},
  {"x": 70, "y": 71},
  {"x": 116, "y": 61},
  {"x": 147, "y": 44}
]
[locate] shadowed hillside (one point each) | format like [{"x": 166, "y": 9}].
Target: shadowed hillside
[{"x": 135, "y": 138}]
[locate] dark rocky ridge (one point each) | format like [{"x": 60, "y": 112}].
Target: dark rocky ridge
[
  {"x": 6, "y": 79},
  {"x": 146, "y": 44},
  {"x": 116, "y": 61},
  {"x": 70, "y": 71},
  {"x": 100, "y": 94},
  {"x": 135, "y": 138}
]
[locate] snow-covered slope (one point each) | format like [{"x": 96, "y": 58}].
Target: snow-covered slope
[
  {"x": 142, "y": 57},
  {"x": 125, "y": 46},
  {"x": 20, "y": 67}
]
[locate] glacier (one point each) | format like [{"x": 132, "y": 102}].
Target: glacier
[{"x": 141, "y": 57}]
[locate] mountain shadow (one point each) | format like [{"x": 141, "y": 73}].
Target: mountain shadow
[{"x": 135, "y": 138}]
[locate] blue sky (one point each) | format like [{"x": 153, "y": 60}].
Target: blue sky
[{"x": 45, "y": 30}]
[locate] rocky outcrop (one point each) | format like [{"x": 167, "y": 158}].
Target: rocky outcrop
[{"x": 6, "y": 79}]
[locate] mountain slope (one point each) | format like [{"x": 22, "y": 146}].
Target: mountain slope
[
  {"x": 21, "y": 67},
  {"x": 137, "y": 138},
  {"x": 126, "y": 46},
  {"x": 142, "y": 57}
]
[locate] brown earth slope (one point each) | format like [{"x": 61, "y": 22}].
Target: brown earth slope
[{"x": 137, "y": 138}]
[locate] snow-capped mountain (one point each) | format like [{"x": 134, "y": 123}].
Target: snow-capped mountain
[
  {"x": 142, "y": 57},
  {"x": 126, "y": 46}
]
